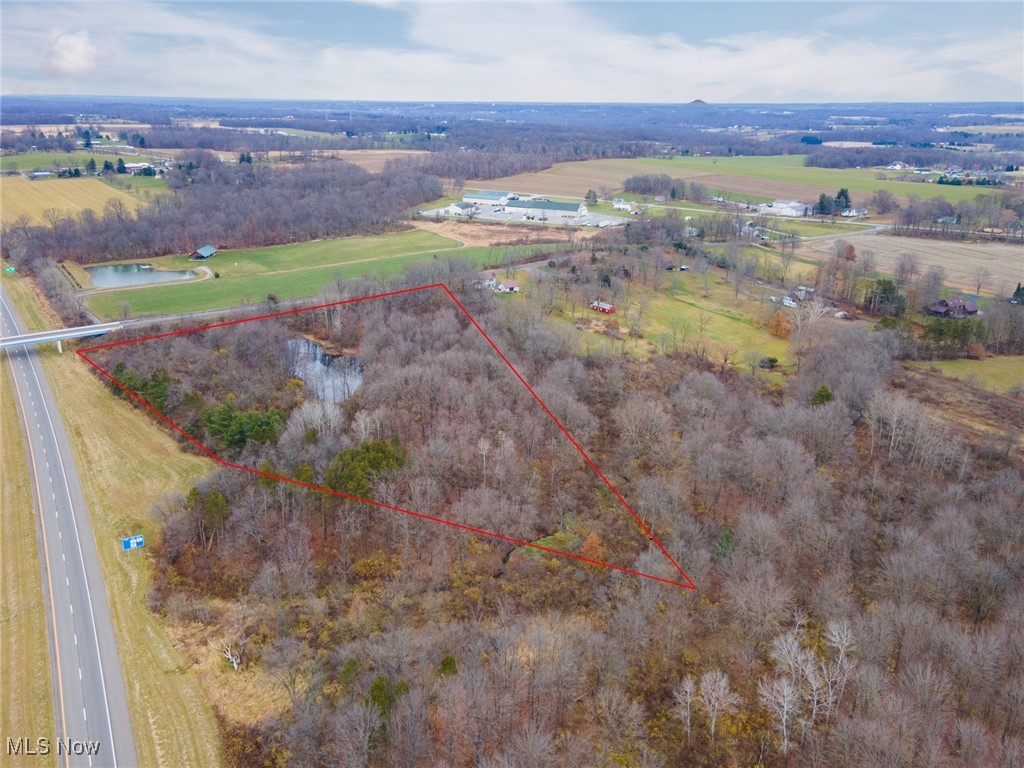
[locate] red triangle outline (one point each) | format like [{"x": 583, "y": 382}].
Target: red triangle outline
[{"x": 686, "y": 583}]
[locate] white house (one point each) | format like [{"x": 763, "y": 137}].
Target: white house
[
  {"x": 507, "y": 286},
  {"x": 621, "y": 205},
  {"x": 897, "y": 166}
]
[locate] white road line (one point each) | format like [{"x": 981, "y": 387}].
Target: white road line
[
  {"x": 76, "y": 638},
  {"x": 79, "y": 673},
  {"x": 62, "y": 557},
  {"x": 85, "y": 715},
  {"x": 85, "y": 576},
  {"x": 67, "y": 581}
]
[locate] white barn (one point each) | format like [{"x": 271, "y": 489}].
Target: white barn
[
  {"x": 546, "y": 210},
  {"x": 461, "y": 209},
  {"x": 486, "y": 197}
]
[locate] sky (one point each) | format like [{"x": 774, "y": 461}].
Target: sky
[{"x": 519, "y": 50}]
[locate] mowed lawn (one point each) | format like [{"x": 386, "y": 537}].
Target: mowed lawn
[
  {"x": 21, "y": 197},
  {"x": 45, "y": 161},
  {"x": 289, "y": 272},
  {"x": 998, "y": 374},
  {"x": 763, "y": 177}
]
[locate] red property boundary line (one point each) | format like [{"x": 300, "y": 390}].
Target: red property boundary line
[{"x": 685, "y": 583}]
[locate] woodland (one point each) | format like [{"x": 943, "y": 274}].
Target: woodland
[{"x": 857, "y": 558}]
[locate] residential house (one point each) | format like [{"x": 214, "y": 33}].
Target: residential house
[{"x": 956, "y": 307}]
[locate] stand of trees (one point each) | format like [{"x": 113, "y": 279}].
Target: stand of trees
[
  {"x": 859, "y": 588},
  {"x": 230, "y": 204}
]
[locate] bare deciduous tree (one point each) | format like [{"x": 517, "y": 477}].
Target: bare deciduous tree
[
  {"x": 715, "y": 697},
  {"x": 782, "y": 697},
  {"x": 684, "y": 698}
]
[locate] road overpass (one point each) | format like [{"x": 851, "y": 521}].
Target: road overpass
[
  {"x": 58, "y": 335},
  {"x": 90, "y": 698}
]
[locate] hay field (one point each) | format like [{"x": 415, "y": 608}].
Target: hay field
[
  {"x": 1004, "y": 260},
  {"x": 21, "y": 197},
  {"x": 769, "y": 177}
]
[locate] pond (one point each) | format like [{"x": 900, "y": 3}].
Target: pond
[
  {"x": 120, "y": 275},
  {"x": 333, "y": 378}
]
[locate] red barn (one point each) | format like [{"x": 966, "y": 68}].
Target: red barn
[{"x": 602, "y": 306}]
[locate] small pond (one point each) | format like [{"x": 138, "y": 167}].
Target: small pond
[
  {"x": 120, "y": 275},
  {"x": 333, "y": 378}
]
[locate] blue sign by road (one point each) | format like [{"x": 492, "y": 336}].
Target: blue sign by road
[{"x": 132, "y": 542}]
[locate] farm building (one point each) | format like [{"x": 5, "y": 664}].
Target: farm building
[
  {"x": 487, "y": 197},
  {"x": 785, "y": 208},
  {"x": 202, "y": 254},
  {"x": 136, "y": 169},
  {"x": 461, "y": 209},
  {"x": 603, "y": 306},
  {"x": 507, "y": 286},
  {"x": 545, "y": 209},
  {"x": 953, "y": 306}
]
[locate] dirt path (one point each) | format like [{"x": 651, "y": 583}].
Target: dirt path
[{"x": 474, "y": 234}]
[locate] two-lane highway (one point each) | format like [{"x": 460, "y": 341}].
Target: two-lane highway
[{"x": 93, "y": 725}]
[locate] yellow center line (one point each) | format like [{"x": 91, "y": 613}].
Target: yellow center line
[{"x": 46, "y": 555}]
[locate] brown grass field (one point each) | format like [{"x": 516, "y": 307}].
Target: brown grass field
[
  {"x": 574, "y": 179},
  {"x": 1004, "y": 260},
  {"x": 372, "y": 160},
  {"x": 982, "y": 417},
  {"x": 21, "y": 197},
  {"x": 477, "y": 234},
  {"x": 25, "y": 688}
]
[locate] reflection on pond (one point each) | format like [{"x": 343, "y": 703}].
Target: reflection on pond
[
  {"x": 120, "y": 275},
  {"x": 333, "y": 378}
]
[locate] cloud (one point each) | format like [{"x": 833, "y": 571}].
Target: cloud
[
  {"x": 449, "y": 51},
  {"x": 72, "y": 55}
]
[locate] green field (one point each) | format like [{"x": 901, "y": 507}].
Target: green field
[
  {"x": 140, "y": 183},
  {"x": 45, "y": 161},
  {"x": 998, "y": 374},
  {"x": 731, "y": 324},
  {"x": 753, "y": 178},
  {"x": 288, "y": 271}
]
